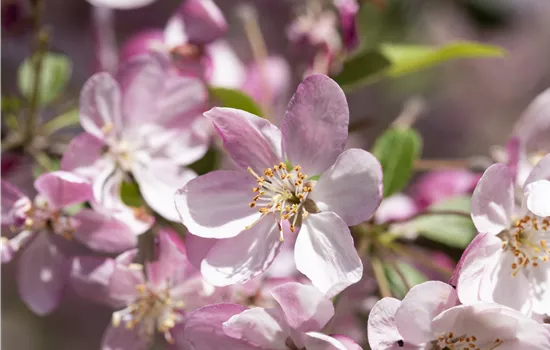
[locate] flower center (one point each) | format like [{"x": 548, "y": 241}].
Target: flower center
[
  {"x": 40, "y": 217},
  {"x": 526, "y": 241},
  {"x": 151, "y": 311},
  {"x": 451, "y": 341},
  {"x": 281, "y": 192}
]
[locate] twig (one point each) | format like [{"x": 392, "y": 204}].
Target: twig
[{"x": 380, "y": 276}]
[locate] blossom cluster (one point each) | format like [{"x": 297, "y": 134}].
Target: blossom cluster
[{"x": 292, "y": 241}]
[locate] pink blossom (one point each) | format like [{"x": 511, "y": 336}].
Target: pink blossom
[
  {"x": 430, "y": 318},
  {"x": 300, "y": 175},
  {"x": 508, "y": 262},
  {"x": 41, "y": 231},
  {"x": 347, "y": 10},
  {"x": 121, "y": 4},
  {"x": 144, "y": 125},
  {"x": 295, "y": 323}
]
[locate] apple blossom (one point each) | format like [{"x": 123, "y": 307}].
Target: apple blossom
[
  {"x": 430, "y": 318},
  {"x": 142, "y": 125},
  {"x": 247, "y": 210},
  {"x": 43, "y": 231},
  {"x": 295, "y": 323},
  {"x": 509, "y": 262}
]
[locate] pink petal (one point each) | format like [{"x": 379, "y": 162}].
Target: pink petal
[
  {"x": 158, "y": 182},
  {"x": 14, "y": 204},
  {"x": 265, "y": 328},
  {"x": 492, "y": 203},
  {"x": 90, "y": 277},
  {"x": 62, "y": 188},
  {"x": 320, "y": 341},
  {"x": 215, "y": 205},
  {"x": 41, "y": 274},
  {"x": 120, "y": 338},
  {"x": 348, "y": 343},
  {"x": 268, "y": 82},
  {"x": 396, "y": 207},
  {"x": 103, "y": 233},
  {"x": 421, "y": 304},
  {"x": 315, "y": 126},
  {"x": 83, "y": 156},
  {"x": 537, "y": 196},
  {"x": 305, "y": 308},
  {"x": 325, "y": 253},
  {"x": 458, "y": 269},
  {"x": 381, "y": 327},
  {"x": 183, "y": 99},
  {"x": 540, "y": 287},
  {"x": 140, "y": 43},
  {"x": 121, "y": 5},
  {"x": 100, "y": 105},
  {"x": 9, "y": 248},
  {"x": 203, "y": 328},
  {"x": 226, "y": 68},
  {"x": 352, "y": 187},
  {"x": 250, "y": 140},
  {"x": 198, "y": 248},
  {"x": 239, "y": 259},
  {"x": 541, "y": 171},
  {"x": 201, "y": 20},
  {"x": 123, "y": 282},
  {"x": 533, "y": 126}
]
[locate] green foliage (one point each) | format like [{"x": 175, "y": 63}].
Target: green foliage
[
  {"x": 450, "y": 229},
  {"x": 395, "y": 278},
  {"x": 207, "y": 163},
  {"x": 45, "y": 163},
  {"x": 235, "y": 99},
  {"x": 56, "y": 71},
  {"x": 130, "y": 194},
  {"x": 397, "y": 149},
  {"x": 395, "y": 60}
]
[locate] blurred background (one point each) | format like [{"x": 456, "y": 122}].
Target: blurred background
[{"x": 471, "y": 104}]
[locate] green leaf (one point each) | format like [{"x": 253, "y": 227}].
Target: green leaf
[
  {"x": 411, "y": 274},
  {"x": 235, "y": 99},
  {"x": 56, "y": 70},
  {"x": 395, "y": 60},
  {"x": 397, "y": 149},
  {"x": 450, "y": 229},
  {"x": 407, "y": 59},
  {"x": 130, "y": 195}
]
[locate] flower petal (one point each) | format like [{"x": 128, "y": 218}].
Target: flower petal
[
  {"x": 381, "y": 328},
  {"x": 83, "y": 156},
  {"x": 123, "y": 282},
  {"x": 203, "y": 328},
  {"x": 534, "y": 124},
  {"x": 325, "y": 253},
  {"x": 492, "y": 202},
  {"x": 9, "y": 248},
  {"x": 100, "y": 105},
  {"x": 90, "y": 277},
  {"x": 320, "y": 341},
  {"x": 239, "y": 259},
  {"x": 352, "y": 187},
  {"x": 315, "y": 126},
  {"x": 198, "y": 248},
  {"x": 226, "y": 68},
  {"x": 215, "y": 205},
  {"x": 541, "y": 171},
  {"x": 201, "y": 21},
  {"x": 62, "y": 188},
  {"x": 421, "y": 304},
  {"x": 265, "y": 328},
  {"x": 120, "y": 338},
  {"x": 182, "y": 100},
  {"x": 122, "y": 5},
  {"x": 537, "y": 201},
  {"x": 14, "y": 205},
  {"x": 349, "y": 344},
  {"x": 41, "y": 274},
  {"x": 250, "y": 140},
  {"x": 305, "y": 307},
  {"x": 103, "y": 233},
  {"x": 540, "y": 287}
]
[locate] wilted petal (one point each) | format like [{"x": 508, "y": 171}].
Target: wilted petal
[
  {"x": 325, "y": 253},
  {"x": 421, "y": 304},
  {"x": 215, "y": 205},
  {"x": 120, "y": 338},
  {"x": 62, "y": 188},
  {"x": 203, "y": 328},
  {"x": 100, "y": 105},
  {"x": 41, "y": 274},
  {"x": 382, "y": 329},
  {"x": 9, "y": 248},
  {"x": 201, "y": 22},
  {"x": 315, "y": 126},
  {"x": 352, "y": 187},
  {"x": 265, "y": 328},
  {"x": 250, "y": 140},
  {"x": 320, "y": 341},
  {"x": 492, "y": 203},
  {"x": 305, "y": 307},
  {"x": 102, "y": 233},
  {"x": 239, "y": 259}
]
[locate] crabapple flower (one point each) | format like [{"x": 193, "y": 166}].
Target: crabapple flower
[
  {"x": 143, "y": 125},
  {"x": 509, "y": 262},
  {"x": 150, "y": 299},
  {"x": 300, "y": 178},
  {"x": 42, "y": 231},
  {"x": 347, "y": 11},
  {"x": 429, "y": 318},
  {"x": 295, "y": 323},
  {"x": 121, "y": 4}
]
